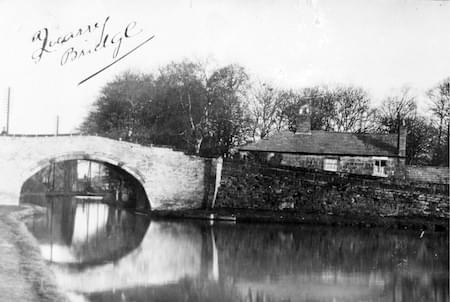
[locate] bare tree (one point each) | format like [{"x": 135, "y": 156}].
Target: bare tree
[
  {"x": 395, "y": 109},
  {"x": 351, "y": 111},
  {"x": 186, "y": 83},
  {"x": 343, "y": 109},
  {"x": 402, "y": 109},
  {"x": 440, "y": 105},
  {"x": 266, "y": 107},
  {"x": 227, "y": 93},
  {"x": 440, "y": 108}
]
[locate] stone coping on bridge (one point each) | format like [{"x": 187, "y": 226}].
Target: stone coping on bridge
[
  {"x": 42, "y": 135},
  {"x": 19, "y": 135}
]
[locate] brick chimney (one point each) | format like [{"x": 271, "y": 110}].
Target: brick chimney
[
  {"x": 303, "y": 120},
  {"x": 401, "y": 141}
]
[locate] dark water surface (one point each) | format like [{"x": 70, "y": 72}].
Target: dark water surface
[{"x": 102, "y": 253}]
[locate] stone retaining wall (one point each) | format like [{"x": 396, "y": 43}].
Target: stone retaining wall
[{"x": 253, "y": 186}]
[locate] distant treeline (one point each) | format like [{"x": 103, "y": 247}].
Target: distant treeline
[{"x": 209, "y": 112}]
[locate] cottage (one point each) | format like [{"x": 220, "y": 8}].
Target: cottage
[{"x": 380, "y": 155}]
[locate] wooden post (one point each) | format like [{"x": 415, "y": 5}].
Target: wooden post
[{"x": 219, "y": 164}]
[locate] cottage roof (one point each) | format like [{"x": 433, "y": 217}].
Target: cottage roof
[{"x": 331, "y": 143}]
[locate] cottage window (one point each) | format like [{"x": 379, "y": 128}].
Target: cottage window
[
  {"x": 379, "y": 166},
  {"x": 330, "y": 164}
]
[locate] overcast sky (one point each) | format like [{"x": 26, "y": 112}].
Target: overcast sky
[{"x": 378, "y": 45}]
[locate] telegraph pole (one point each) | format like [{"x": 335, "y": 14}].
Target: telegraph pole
[
  {"x": 7, "y": 110},
  {"x": 57, "y": 125}
]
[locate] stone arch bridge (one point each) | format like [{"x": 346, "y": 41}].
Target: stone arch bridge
[{"x": 171, "y": 179}]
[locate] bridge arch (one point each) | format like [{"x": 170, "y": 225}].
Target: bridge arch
[
  {"x": 98, "y": 157},
  {"x": 172, "y": 180}
]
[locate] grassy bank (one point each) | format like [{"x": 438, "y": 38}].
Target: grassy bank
[{"x": 24, "y": 275}]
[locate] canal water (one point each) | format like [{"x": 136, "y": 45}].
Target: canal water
[{"x": 102, "y": 252}]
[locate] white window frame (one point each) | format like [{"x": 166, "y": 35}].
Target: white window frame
[
  {"x": 331, "y": 164},
  {"x": 378, "y": 168}
]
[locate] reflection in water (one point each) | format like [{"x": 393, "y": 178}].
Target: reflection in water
[
  {"x": 81, "y": 233},
  {"x": 101, "y": 253},
  {"x": 166, "y": 255}
]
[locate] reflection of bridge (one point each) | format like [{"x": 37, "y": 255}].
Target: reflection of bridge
[
  {"x": 167, "y": 254},
  {"x": 171, "y": 179},
  {"x": 94, "y": 247},
  {"x": 79, "y": 233}
]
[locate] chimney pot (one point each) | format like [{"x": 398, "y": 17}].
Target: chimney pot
[{"x": 303, "y": 120}]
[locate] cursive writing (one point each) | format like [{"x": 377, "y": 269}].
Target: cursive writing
[
  {"x": 97, "y": 32},
  {"x": 92, "y": 37}
]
